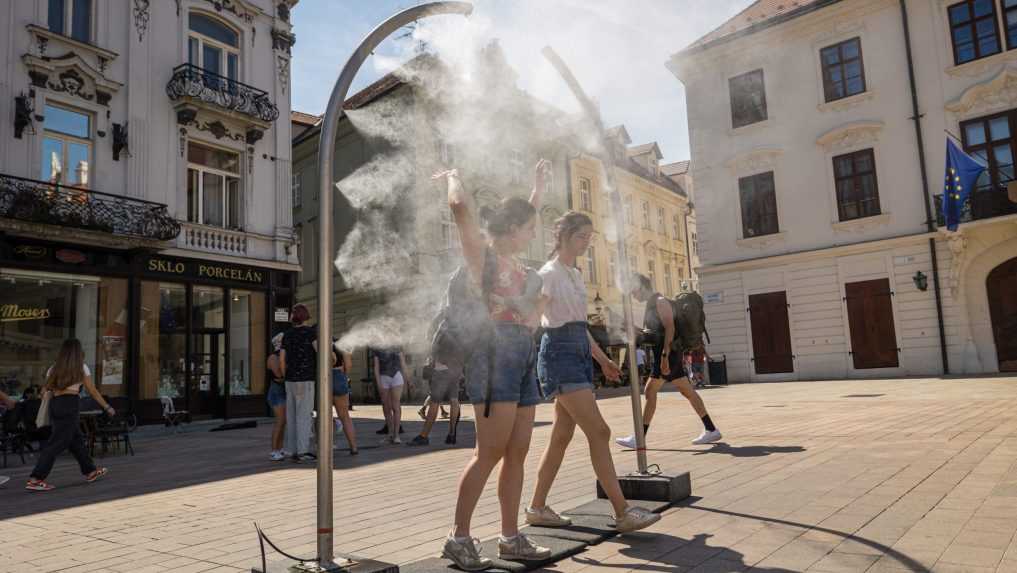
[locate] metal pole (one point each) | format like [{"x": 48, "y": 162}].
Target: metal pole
[
  {"x": 326, "y": 152},
  {"x": 604, "y": 155}
]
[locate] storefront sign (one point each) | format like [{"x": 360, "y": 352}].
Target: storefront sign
[
  {"x": 31, "y": 252},
  {"x": 14, "y": 312},
  {"x": 70, "y": 256},
  {"x": 204, "y": 270}
]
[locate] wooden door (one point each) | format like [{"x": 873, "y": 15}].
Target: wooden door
[
  {"x": 870, "y": 318},
  {"x": 771, "y": 333},
  {"x": 1002, "y": 291}
]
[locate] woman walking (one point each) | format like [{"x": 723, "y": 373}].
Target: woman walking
[
  {"x": 390, "y": 373},
  {"x": 500, "y": 377},
  {"x": 276, "y": 398},
  {"x": 341, "y": 396},
  {"x": 565, "y": 369},
  {"x": 64, "y": 380},
  {"x": 299, "y": 362}
]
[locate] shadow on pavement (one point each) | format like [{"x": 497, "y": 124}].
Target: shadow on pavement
[{"x": 738, "y": 451}]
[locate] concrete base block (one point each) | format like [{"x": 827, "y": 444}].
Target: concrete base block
[{"x": 670, "y": 488}]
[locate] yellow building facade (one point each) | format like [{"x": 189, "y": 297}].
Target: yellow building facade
[{"x": 655, "y": 230}]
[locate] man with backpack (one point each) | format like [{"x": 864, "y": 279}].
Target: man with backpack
[{"x": 672, "y": 328}]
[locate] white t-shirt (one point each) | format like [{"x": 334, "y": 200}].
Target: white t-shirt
[
  {"x": 75, "y": 387},
  {"x": 567, "y": 291}
]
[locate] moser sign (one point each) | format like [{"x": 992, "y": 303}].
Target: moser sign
[
  {"x": 13, "y": 312},
  {"x": 205, "y": 270}
]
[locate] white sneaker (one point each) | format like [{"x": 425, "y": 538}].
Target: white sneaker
[
  {"x": 627, "y": 442},
  {"x": 277, "y": 456},
  {"x": 634, "y": 519},
  {"x": 4, "y": 479},
  {"x": 465, "y": 554},
  {"x": 707, "y": 437},
  {"x": 546, "y": 517},
  {"x": 396, "y": 440},
  {"x": 520, "y": 548},
  {"x": 386, "y": 441}
]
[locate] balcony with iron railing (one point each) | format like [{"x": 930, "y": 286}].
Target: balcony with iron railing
[
  {"x": 191, "y": 84},
  {"x": 984, "y": 202},
  {"x": 41, "y": 202}
]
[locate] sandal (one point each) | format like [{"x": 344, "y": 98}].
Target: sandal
[
  {"x": 38, "y": 485},
  {"x": 97, "y": 474}
]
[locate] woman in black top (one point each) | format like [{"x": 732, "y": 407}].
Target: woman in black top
[{"x": 298, "y": 360}]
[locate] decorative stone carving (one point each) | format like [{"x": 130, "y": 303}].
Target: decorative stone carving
[
  {"x": 70, "y": 74},
  {"x": 239, "y": 8},
  {"x": 284, "y": 71},
  {"x": 71, "y": 83},
  {"x": 283, "y": 11},
  {"x": 757, "y": 160},
  {"x": 283, "y": 40},
  {"x": 850, "y": 135},
  {"x": 120, "y": 140},
  {"x": 997, "y": 94},
  {"x": 958, "y": 250},
  {"x": 23, "y": 108},
  {"x": 141, "y": 17}
]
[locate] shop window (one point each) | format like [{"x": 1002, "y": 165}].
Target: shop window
[
  {"x": 748, "y": 99},
  {"x": 215, "y": 48},
  {"x": 843, "y": 74},
  {"x": 213, "y": 187},
  {"x": 71, "y": 18},
  {"x": 163, "y": 344},
  {"x": 66, "y": 146},
  {"x": 38, "y": 311},
  {"x": 973, "y": 30},
  {"x": 247, "y": 343},
  {"x": 857, "y": 190},
  {"x": 759, "y": 205}
]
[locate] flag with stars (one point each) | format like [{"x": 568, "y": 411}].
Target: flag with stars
[{"x": 962, "y": 171}]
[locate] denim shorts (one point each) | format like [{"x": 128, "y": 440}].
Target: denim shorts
[
  {"x": 565, "y": 362},
  {"x": 340, "y": 383},
  {"x": 276, "y": 395},
  {"x": 514, "y": 378}
]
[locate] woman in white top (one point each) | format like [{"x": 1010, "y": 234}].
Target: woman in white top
[
  {"x": 63, "y": 381},
  {"x": 565, "y": 369}
]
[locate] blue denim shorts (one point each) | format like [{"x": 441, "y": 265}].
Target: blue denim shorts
[
  {"x": 276, "y": 395},
  {"x": 565, "y": 362},
  {"x": 514, "y": 378},
  {"x": 340, "y": 383}
]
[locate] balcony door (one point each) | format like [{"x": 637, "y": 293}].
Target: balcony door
[{"x": 213, "y": 47}]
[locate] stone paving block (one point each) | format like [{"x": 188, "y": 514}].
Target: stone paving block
[{"x": 973, "y": 556}]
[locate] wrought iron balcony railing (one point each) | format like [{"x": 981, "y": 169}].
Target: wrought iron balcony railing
[
  {"x": 52, "y": 204},
  {"x": 982, "y": 203},
  {"x": 191, "y": 81}
]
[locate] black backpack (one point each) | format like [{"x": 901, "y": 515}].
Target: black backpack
[
  {"x": 689, "y": 322},
  {"x": 463, "y": 323}
]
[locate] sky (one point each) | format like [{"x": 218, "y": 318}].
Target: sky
[{"x": 615, "y": 48}]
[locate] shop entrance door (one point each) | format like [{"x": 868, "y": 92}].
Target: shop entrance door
[
  {"x": 1002, "y": 290},
  {"x": 206, "y": 397}
]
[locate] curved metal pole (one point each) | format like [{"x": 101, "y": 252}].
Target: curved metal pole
[
  {"x": 619, "y": 222},
  {"x": 326, "y": 153}
]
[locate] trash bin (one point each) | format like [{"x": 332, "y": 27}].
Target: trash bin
[{"x": 718, "y": 371}]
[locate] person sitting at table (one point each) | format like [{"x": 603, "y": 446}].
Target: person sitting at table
[{"x": 63, "y": 382}]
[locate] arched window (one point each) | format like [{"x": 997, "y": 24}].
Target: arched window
[{"x": 213, "y": 46}]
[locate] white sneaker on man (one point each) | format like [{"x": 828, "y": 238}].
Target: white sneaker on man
[
  {"x": 277, "y": 456},
  {"x": 707, "y": 437},
  {"x": 626, "y": 442}
]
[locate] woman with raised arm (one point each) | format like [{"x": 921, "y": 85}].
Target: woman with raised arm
[
  {"x": 64, "y": 381},
  {"x": 565, "y": 369},
  {"x": 500, "y": 373}
]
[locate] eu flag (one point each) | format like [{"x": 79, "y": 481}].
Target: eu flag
[{"x": 962, "y": 171}]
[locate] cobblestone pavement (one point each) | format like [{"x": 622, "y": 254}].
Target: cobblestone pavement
[{"x": 877, "y": 475}]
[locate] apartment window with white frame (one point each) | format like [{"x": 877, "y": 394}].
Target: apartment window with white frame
[
  {"x": 646, "y": 215},
  {"x": 516, "y": 166},
  {"x": 213, "y": 187},
  {"x": 298, "y": 193},
  {"x": 591, "y": 265},
  {"x": 214, "y": 47},
  {"x": 661, "y": 227},
  {"x": 66, "y": 146},
  {"x": 71, "y": 18},
  {"x": 585, "y": 199}
]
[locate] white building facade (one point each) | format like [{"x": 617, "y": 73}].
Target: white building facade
[
  {"x": 818, "y": 257},
  {"x": 145, "y": 195}
]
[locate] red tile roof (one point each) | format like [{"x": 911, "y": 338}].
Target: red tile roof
[
  {"x": 304, "y": 118},
  {"x": 676, "y": 168},
  {"x": 757, "y": 13}
]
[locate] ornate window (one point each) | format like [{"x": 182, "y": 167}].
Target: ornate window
[
  {"x": 857, "y": 189},
  {"x": 646, "y": 215},
  {"x": 973, "y": 30},
  {"x": 591, "y": 266},
  {"x": 676, "y": 226},
  {"x": 843, "y": 74},
  {"x": 748, "y": 99},
  {"x": 661, "y": 227},
  {"x": 759, "y": 205},
  {"x": 213, "y": 187},
  {"x": 585, "y": 201},
  {"x": 66, "y": 146},
  {"x": 71, "y": 18},
  {"x": 214, "y": 47}
]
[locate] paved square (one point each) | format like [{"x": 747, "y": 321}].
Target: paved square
[{"x": 906, "y": 475}]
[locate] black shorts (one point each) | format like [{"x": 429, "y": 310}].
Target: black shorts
[{"x": 674, "y": 361}]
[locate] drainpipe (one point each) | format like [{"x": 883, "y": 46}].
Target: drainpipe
[
  {"x": 929, "y": 222},
  {"x": 688, "y": 248}
]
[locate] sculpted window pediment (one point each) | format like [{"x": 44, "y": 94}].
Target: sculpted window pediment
[
  {"x": 72, "y": 75},
  {"x": 997, "y": 94},
  {"x": 756, "y": 160},
  {"x": 650, "y": 248},
  {"x": 850, "y": 135}
]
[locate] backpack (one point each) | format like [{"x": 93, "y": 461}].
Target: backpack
[
  {"x": 689, "y": 322},
  {"x": 463, "y": 322}
]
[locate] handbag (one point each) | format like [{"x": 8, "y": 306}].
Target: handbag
[{"x": 42, "y": 419}]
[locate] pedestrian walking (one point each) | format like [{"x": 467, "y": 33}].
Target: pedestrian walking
[
  {"x": 443, "y": 388},
  {"x": 276, "y": 398},
  {"x": 390, "y": 375},
  {"x": 565, "y": 370},
  {"x": 500, "y": 375},
  {"x": 341, "y": 396},
  {"x": 63, "y": 384},
  {"x": 299, "y": 361}
]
